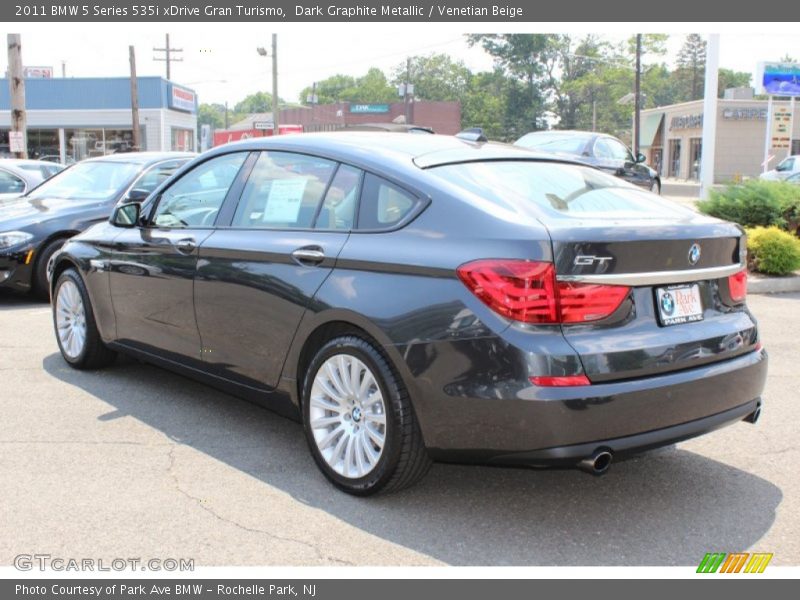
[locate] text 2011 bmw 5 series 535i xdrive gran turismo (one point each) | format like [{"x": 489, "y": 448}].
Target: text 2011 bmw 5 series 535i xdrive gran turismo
[{"x": 414, "y": 298}]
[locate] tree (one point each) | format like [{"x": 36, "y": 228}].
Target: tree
[
  {"x": 484, "y": 104},
  {"x": 211, "y": 114},
  {"x": 522, "y": 57},
  {"x": 370, "y": 88},
  {"x": 732, "y": 79},
  {"x": 691, "y": 67},
  {"x": 254, "y": 103},
  {"x": 435, "y": 77}
]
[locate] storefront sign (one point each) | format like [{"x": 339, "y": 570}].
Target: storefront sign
[
  {"x": 781, "y": 128},
  {"x": 745, "y": 114},
  {"x": 369, "y": 108},
  {"x": 779, "y": 79},
  {"x": 686, "y": 122},
  {"x": 38, "y": 72},
  {"x": 182, "y": 99},
  {"x": 263, "y": 125}
]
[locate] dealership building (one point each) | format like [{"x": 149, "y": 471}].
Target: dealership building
[
  {"x": 81, "y": 117},
  {"x": 671, "y": 137}
]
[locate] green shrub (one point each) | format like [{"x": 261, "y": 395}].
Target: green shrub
[
  {"x": 755, "y": 203},
  {"x": 772, "y": 251}
]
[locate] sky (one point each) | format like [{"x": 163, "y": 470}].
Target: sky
[{"x": 221, "y": 63}]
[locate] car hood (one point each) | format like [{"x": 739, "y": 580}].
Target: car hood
[{"x": 21, "y": 212}]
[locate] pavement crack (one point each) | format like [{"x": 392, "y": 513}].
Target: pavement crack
[{"x": 219, "y": 517}]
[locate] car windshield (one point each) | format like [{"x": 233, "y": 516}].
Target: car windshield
[
  {"x": 557, "y": 188},
  {"x": 555, "y": 142},
  {"x": 94, "y": 180}
]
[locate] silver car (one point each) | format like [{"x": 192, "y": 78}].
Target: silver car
[{"x": 19, "y": 176}]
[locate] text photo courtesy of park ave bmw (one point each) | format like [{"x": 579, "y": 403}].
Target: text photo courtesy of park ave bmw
[{"x": 297, "y": 298}]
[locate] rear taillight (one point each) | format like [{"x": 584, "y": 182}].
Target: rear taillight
[
  {"x": 737, "y": 286},
  {"x": 528, "y": 291}
]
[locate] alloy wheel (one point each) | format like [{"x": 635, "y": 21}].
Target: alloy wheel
[
  {"x": 70, "y": 319},
  {"x": 347, "y": 416}
]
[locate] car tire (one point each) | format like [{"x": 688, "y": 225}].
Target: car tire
[
  {"x": 76, "y": 330},
  {"x": 656, "y": 187},
  {"x": 376, "y": 408},
  {"x": 39, "y": 284}
]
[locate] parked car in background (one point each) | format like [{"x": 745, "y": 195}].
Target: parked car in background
[
  {"x": 598, "y": 150},
  {"x": 788, "y": 167},
  {"x": 389, "y": 127},
  {"x": 418, "y": 297},
  {"x": 18, "y": 176},
  {"x": 37, "y": 224}
]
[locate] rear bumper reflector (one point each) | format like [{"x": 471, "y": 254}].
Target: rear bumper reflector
[{"x": 559, "y": 381}]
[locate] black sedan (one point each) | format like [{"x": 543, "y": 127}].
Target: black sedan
[
  {"x": 34, "y": 226},
  {"x": 412, "y": 298},
  {"x": 597, "y": 149}
]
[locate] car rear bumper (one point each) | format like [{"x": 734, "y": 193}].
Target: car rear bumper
[
  {"x": 620, "y": 447},
  {"x": 520, "y": 423}
]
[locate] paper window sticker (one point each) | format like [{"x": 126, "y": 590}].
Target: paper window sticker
[{"x": 284, "y": 200}]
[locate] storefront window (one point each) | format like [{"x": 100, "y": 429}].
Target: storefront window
[
  {"x": 674, "y": 158},
  {"x": 87, "y": 143},
  {"x": 182, "y": 139},
  {"x": 696, "y": 149}
]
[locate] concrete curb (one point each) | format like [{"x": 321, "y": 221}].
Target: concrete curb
[{"x": 758, "y": 284}]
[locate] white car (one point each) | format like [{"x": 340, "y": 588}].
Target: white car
[
  {"x": 19, "y": 176},
  {"x": 786, "y": 168}
]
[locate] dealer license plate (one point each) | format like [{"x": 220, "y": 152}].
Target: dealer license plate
[{"x": 679, "y": 304}]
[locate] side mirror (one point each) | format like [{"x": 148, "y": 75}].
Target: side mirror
[
  {"x": 126, "y": 215},
  {"x": 136, "y": 195},
  {"x": 640, "y": 158}
]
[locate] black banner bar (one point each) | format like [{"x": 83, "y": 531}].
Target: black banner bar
[
  {"x": 280, "y": 11},
  {"x": 397, "y": 589}
]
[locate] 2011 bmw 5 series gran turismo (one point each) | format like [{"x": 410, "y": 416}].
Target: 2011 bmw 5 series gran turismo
[{"x": 414, "y": 298}]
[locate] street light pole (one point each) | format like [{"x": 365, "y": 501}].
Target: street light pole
[
  {"x": 637, "y": 93},
  {"x": 275, "y": 126}
]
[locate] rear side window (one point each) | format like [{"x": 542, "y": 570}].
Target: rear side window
[
  {"x": 339, "y": 208},
  {"x": 283, "y": 191},
  {"x": 11, "y": 184},
  {"x": 383, "y": 204},
  {"x": 156, "y": 175}
]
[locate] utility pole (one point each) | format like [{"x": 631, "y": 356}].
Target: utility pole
[
  {"x": 708, "y": 149},
  {"x": 637, "y": 95},
  {"x": 63, "y": 69},
  {"x": 137, "y": 141},
  {"x": 406, "y": 95},
  {"x": 168, "y": 58},
  {"x": 275, "y": 120},
  {"x": 226, "y": 114},
  {"x": 16, "y": 83}
]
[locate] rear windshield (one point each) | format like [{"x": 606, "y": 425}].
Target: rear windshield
[
  {"x": 553, "y": 142},
  {"x": 95, "y": 180},
  {"x": 554, "y": 188}
]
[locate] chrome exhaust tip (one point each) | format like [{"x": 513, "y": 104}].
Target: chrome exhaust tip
[
  {"x": 754, "y": 416},
  {"x": 597, "y": 463}
]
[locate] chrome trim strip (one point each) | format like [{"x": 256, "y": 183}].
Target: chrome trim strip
[{"x": 654, "y": 277}]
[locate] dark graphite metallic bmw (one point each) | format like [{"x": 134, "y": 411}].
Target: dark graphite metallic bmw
[{"x": 418, "y": 298}]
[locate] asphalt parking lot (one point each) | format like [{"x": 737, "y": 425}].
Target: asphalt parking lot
[{"x": 135, "y": 461}]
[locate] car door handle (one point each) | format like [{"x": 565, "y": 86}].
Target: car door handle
[
  {"x": 186, "y": 245},
  {"x": 308, "y": 256}
]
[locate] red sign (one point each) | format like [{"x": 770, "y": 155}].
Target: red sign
[{"x": 225, "y": 136}]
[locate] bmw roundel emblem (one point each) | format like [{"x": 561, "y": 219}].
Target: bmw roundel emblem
[
  {"x": 694, "y": 254},
  {"x": 667, "y": 303}
]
